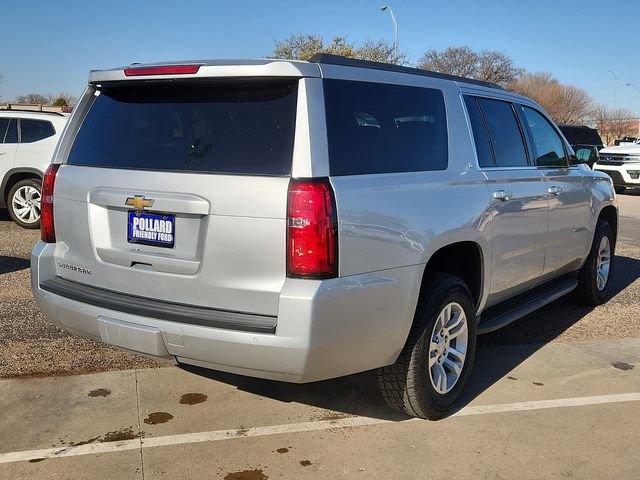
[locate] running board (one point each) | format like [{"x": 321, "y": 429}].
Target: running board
[{"x": 511, "y": 310}]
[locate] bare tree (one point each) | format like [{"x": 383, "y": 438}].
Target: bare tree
[
  {"x": 63, "y": 99},
  {"x": 340, "y": 46},
  {"x": 565, "y": 103},
  {"x": 460, "y": 61},
  {"x": 33, "y": 98},
  {"x": 531, "y": 84},
  {"x": 614, "y": 123},
  {"x": 574, "y": 105},
  {"x": 381, "y": 51},
  {"x": 486, "y": 65},
  {"x": 497, "y": 67},
  {"x": 298, "y": 47},
  {"x": 304, "y": 46}
]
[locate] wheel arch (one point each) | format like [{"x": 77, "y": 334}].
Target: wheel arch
[
  {"x": 610, "y": 214},
  {"x": 466, "y": 260},
  {"x": 12, "y": 177}
]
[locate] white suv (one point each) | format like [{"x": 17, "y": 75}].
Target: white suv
[
  {"x": 622, "y": 164},
  {"x": 27, "y": 142}
]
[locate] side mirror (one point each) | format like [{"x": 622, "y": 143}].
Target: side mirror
[{"x": 583, "y": 155}]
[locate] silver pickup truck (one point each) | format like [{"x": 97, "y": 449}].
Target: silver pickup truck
[{"x": 300, "y": 221}]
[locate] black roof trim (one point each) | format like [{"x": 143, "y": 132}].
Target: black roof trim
[
  {"x": 573, "y": 125},
  {"x": 330, "y": 59}
]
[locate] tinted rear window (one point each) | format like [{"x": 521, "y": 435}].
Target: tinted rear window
[
  {"x": 242, "y": 127},
  {"x": 382, "y": 128},
  {"x": 34, "y": 130}
]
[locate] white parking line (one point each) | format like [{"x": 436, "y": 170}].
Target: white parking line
[{"x": 218, "y": 435}]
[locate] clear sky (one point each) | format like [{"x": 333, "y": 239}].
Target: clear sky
[{"x": 49, "y": 46}]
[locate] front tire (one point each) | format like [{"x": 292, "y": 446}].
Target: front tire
[
  {"x": 23, "y": 203},
  {"x": 594, "y": 278},
  {"x": 434, "y": 365}
]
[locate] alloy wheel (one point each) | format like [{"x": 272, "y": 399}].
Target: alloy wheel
[
  {"x": 448, "y": 348},
  {"x": 26, "y": 204},
  {"x": 603, "y": 263}
]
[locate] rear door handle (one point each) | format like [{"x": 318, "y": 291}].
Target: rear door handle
[
  {"x": 503, "y": 195},
  {"x": 554, "y": 190}
]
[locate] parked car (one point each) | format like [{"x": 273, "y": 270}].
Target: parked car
[
  {"x": 300, "y": 221},
  {"x": 622, "y": 164},
  {"x": 27, "y": 141},
  {"x": 585, "y": 141},
  {"x": 626, "y": 141}
]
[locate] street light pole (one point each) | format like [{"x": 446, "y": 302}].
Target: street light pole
[
  {"x": 632, "y": 85},
  {"x": 615, "y": 87},
  {"x": 395, "y": 27}
]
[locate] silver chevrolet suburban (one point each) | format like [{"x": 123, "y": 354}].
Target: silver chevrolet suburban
[{"x": 300, "y": 221}]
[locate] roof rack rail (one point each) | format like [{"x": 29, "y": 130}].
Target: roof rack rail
[
  {"x": 8, "y": 107},
  {"x": 330, "y": 59}
]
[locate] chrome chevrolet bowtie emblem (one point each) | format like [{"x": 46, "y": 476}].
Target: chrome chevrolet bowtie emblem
[{"x": 139, "y": 202}]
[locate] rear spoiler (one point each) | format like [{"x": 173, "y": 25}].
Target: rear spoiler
[{"x": 207, "y": 69}]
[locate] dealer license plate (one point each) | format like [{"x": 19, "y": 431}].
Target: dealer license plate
[{"x": 155, "y": 229}]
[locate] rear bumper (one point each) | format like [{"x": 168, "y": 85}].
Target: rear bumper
[
  {"x": 324, "y": 329},
  {"x": 622, "y": 175},
  {"x": 145, "y": 307}
]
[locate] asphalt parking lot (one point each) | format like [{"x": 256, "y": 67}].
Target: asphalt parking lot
[{"x": 557, "y": 394}]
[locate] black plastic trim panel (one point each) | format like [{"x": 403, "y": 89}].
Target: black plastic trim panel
[{"x": 147, "y": 307}]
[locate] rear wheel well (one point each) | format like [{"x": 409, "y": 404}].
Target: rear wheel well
[
  {"x": 610, "y": 214},
  {"x": 462, "y": 259},
  {"x": 15, "y": 178}
]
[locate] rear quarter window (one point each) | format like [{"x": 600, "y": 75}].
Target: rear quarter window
[
  {"x": 244, "y": 127},
  {"x": 35, "y": 130},
  {"x": 383, "y": 128}
]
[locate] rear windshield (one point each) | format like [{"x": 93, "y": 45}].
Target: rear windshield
[
  {"x": 383, "y": 128},
  {"x": 242, "y": 127}
]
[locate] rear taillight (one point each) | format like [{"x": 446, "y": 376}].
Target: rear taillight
[
  {"x": 166, "y": 70},
  {"x": 47, "y": 229},
  {"x": 312, "y": 232}
]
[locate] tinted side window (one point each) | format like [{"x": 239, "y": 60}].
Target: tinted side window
[
  {"x": 483, "y": 148},
  {"x": 506, "y": 138},
  {"x": 34, "y": 130},
  {"x": 382, "y": 128},
  {"x": 8, "y": 130},
  {"x": 547, "y": 144}
]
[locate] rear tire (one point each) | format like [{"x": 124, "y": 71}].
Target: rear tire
[
  {"x": 428, "y": 376},
  {"x": 594, "y": 278},
  {"x": 619, "y": 189},
  {"x": 23, "y": 203}
]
